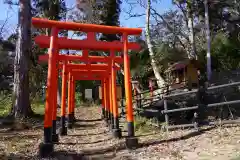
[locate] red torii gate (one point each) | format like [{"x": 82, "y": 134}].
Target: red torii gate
[
  {"x": 55, "y": 44},
  {"x": 73, "y": 76},
  {"x": 117, "y": 59},
  {"x": 74, "y": 70},
  {"x": 90, "y": 68}
]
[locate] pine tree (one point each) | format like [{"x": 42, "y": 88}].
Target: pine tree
[
  {"x": 54, "y": 9},
  {"x": 110, "y": 17}
]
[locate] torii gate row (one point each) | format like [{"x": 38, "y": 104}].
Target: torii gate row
[
  {"x": 47, "y": 147},
  {"x": 73, "y": 76},
  {"x": 96, "y": 75},
  {"x": 88, "y": 75},
  {"x": 110, "y": 59},
  {"x": 88, "y": 68}
]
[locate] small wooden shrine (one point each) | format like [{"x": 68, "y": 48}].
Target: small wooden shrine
[{"x": 183, "y": 74}]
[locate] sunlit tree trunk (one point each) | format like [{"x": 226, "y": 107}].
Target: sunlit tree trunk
[
  {"x": 192, "y": 51},
  {"x": 21, "y": 103},
  {"x": 160, "y": 80},
  {"x": 209, "y": 69}
]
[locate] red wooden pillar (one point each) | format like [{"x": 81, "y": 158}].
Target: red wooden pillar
[
  {"x": 55, "y": 137},
  {"x": 63, "y": 129},
  {"x": 47, "y": 146},
  {"x": 73, "y": 100},
  {"x": 116, "y": 130},
  {"x": 131, "y": 141},
  {"x": 103, "y": 99},
  {"x": 111, "y": 101},
  {"x": 106, "y": 100},
  {"x": 70, "y": 87}
]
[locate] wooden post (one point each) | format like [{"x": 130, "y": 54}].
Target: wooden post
[
  {"x": 70, "y": 100},
  {"x": 46, "y": 147},
  {"x": 166, "y": 115},
  {"x": 111, "y": 103},
  {"x": 116, "y": 130},
  {"x": 55, "y": 137},
  {"x": 73, "y": 100},
  {"x": 108, "y": 100},
  {"x": 200, "y": 114},
  {"x": 63, "y": 129},
  {"x": 131, "y": 140},
  {"x": 103, "y": 99}
]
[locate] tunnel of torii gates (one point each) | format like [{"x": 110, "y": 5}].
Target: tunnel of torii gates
[{"x": 71, "y": 72}]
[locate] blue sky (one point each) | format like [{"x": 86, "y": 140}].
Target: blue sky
[{"x": 12, "y": 12}]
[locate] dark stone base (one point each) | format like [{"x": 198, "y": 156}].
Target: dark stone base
[
  {"x": 106, "y": 122},
  {"x": 63, "y": 131},
  {"x": 70, "y": 125},
  {"x": 103, "y": 113},
  {"x": 55, "y": 138},
  {"x": 117, "y": 133},
  {"x": 131, "y": 142},
  {"x": 45, "y": 150},
  {"x": 74, "y": 119},
  {"x": 70, "y": 118},
  {"x": 111, "y": 126}
]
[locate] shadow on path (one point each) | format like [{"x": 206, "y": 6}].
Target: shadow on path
[
  {"x": 89, "y": 134},
  {"x": 89, "y": 120},
  {"x": 187, "y": 136},
  {"x": 69, "y": 143},
  {"x": 10, "y": 137},
  {"x": 84, "y": 126}
]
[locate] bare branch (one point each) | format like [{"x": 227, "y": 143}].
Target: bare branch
[
  {"x": 184, "y": 12},
  {"x": 134, "y": 16},
  {"x": 172, "y": 30},
  {"x": 10, "y": 2},
  {"x": 155, "y": 15},
  {"x": 130, "y": 10},
  {"x": 4, "y": 24}
]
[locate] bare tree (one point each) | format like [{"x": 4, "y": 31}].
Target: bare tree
[
  {"x": 192, "y": 51},
  {"x": 21, "y": 103},
  {"x": 185, "y": 36},
  {"x": 160, "y": 80},
  {"x": 209, "y": 69}
]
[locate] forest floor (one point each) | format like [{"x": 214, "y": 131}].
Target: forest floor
[{"x": 91, "y": 139}]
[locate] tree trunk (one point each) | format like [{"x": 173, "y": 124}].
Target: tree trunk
[
  {"x": 21, "y": 103},
  {"x": 209, "y": 69},
  {"x": 192, "y": 49},
  {"x": 160, "y": 80}
]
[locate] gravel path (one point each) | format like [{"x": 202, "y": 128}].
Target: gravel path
[{"x": 91, "y": 139}]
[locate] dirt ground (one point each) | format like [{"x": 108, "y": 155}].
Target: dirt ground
[{"x": 91, "y": 139}]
